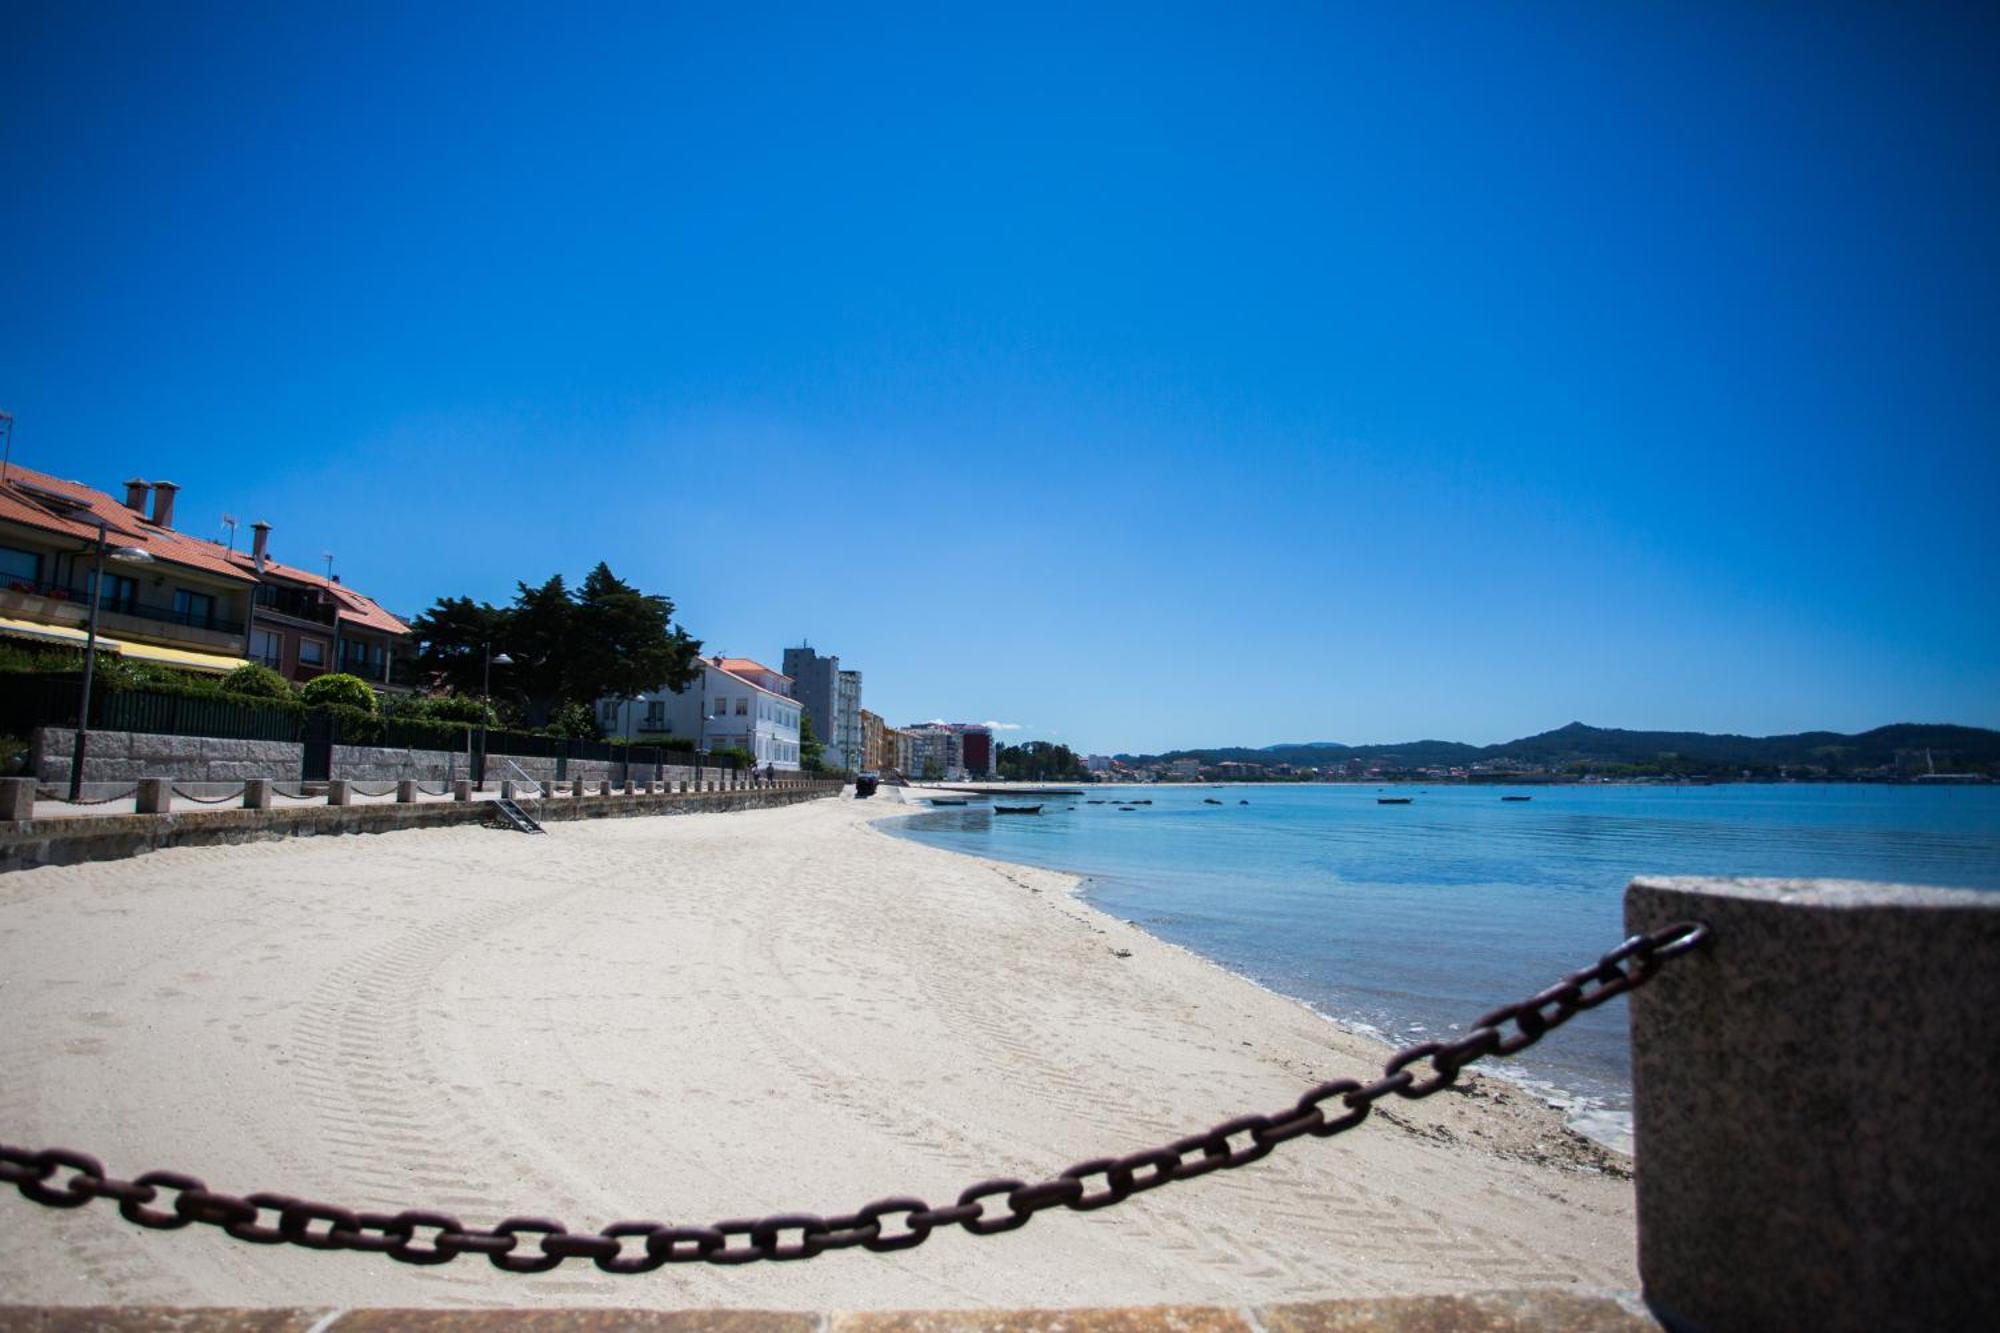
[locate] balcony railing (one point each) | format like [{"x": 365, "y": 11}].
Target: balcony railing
[{"x": 113, "y": 605}]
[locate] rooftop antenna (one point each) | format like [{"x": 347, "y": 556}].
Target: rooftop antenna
[
  {"x": 7, "y": 440},
  {"x": 328, "y": 556},
  {"x": 229, "y": 521}
]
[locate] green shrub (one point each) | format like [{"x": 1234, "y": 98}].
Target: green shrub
[
  {"x": 35, "y": 659},
  {"x": 355, "y": 726},
  {"x": 573, "y": 719},
  {"x": 743, "y": 757},
  {"x": 257, "y": 682},
  {"x": 461, "y": 708},
  {"x": 340, "y": 690}
]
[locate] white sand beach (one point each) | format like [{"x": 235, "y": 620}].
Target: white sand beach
[{"x": 707, "y": 1017}]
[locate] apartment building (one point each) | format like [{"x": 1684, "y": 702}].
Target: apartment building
[
  {"x": 170, "y": 597},
  {"x": 163, "y": 596},
  {"x": 304, "y": 624}
]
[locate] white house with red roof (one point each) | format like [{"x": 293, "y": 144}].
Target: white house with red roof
[{"x": 735, "y": 703}]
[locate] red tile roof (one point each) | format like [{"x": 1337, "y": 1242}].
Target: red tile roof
[
  {"x": 354, "y": 607},
  {"x": 36, "y": 500},
  {"x": 20, "y": 502},
  {"x": 737, "y": 666}
]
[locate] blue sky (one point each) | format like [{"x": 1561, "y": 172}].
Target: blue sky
[{"x": 1145, "y": 377}]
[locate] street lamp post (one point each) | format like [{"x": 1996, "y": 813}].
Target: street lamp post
[
  {"x": 486, "y": 702},
  {"x": 127, "y": 554}
]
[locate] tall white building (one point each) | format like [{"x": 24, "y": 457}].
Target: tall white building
[{"x": 736, "y": 703}]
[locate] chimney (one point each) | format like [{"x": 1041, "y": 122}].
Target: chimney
[
  {"x": 163, "y": 503},
  {"x": 260, "y": 541},
  {"x": 135, "y": 494}
]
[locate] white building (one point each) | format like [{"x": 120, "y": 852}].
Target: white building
[{"x": 736, "y": 703}]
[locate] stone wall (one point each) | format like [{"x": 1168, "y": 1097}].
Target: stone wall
[
  {"x": 123, "y": 757},
  {"x": 127, "y": 756},
  {"x": 71, "y": 840}
]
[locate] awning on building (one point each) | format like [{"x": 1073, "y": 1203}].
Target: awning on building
[
  {"x": 71, "y": 637},
  {"x": 66, "y": 635},
  {"x": 181, "y": 657}
]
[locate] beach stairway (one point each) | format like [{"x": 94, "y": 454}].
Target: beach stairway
[{"x": 516, "y": 816}]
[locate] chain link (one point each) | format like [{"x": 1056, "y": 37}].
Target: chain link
[
  {"x": 57, "y": 794},
  {"x": 208, "y": 800},
  {"x": 61, "y": 1178}
]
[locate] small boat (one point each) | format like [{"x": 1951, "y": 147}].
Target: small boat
[
  {"x": 1017, "y": 809},
  {"x": 1392, "y": 800},
  {"x": 1147, "y": 801},
  {"x": 1093, "y": 803},
  {"x": 939, "y": 800},
  {"x": 1210, "y": 800},
  {"x": 1517, "y": 798},
  {"x": 1243, "y": 803},
  {"x": 1127, "y": 809}
]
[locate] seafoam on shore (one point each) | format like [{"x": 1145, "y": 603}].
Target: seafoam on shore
[{"x": 718, "y": 1016}]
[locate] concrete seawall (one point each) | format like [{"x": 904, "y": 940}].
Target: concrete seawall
[{"x": 71, "y": 840}]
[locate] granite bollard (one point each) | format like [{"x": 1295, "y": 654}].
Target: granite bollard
[
  {"x": 257, "y": 794},
  {"x": 406, "y": 791},
  {"x": 156, "y": 796},
  {"x": 576, "y": 788},
  {"x": 1816, "y": 1141},
  {"x": 17, "y": 799},
  {"x": 461, "y": 790},
  {"x": 549, "y": 788},
  {"x": 338, "y": 792},
  {"x": 506, "y": 789}
]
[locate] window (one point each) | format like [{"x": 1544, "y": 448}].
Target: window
[
  {"x": 17, "y": 566},
  {"x": 118, "y": 593},
  {"x": 194, "y": 608},
  {"x": 656, "y": 714},
  {"x": 312, "y": 652},
  {"x": 742, "y": 706},
  {"x": 267, "y": 648}
]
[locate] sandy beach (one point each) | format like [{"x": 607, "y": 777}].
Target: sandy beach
[{"x": 708, "y": 1017}]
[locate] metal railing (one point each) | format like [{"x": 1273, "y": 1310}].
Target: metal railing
[{"x": 115, "y": 605}]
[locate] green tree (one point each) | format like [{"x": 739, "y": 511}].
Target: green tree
[
  {"x": 624, "y": 641},
  {"x": 339, "y": 690},
  {"x": 563, "y": 647},
  {"x": 452, "y": 639},
  {"x": 1038, "y": 761},
  {"x": 812, "y": 750}
]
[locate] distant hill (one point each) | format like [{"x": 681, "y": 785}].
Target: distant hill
[{"x": 1581, "y": 746}]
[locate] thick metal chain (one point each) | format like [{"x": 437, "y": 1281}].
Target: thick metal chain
[
  {"x": 55, "y": 794},
  {"x": 537, "y": 1244},
  {"x": 207, "y": 800}
]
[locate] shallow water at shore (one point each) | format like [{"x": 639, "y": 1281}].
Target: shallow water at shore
[{"x": 1411, "y": 920}]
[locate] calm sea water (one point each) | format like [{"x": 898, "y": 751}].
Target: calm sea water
[{"x": 1412, "y": 920}]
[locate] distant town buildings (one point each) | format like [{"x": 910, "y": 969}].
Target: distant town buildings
[{"x": 952, "y": 751}]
